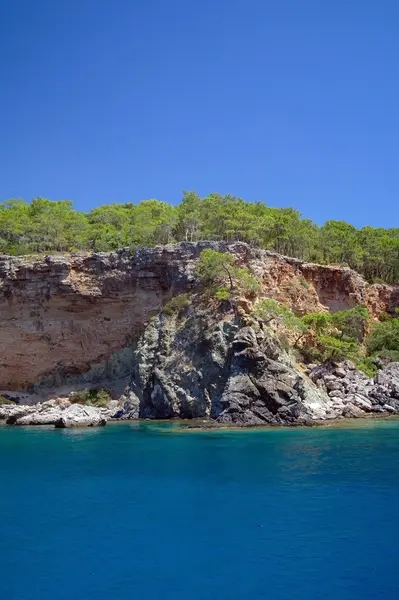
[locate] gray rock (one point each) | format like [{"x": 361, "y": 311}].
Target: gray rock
[
  {"x": 81, "y": 416},
  {"x": 352, "y": 411},
  {"x": 233, "y": 374},
  {"x": 340, "y": 372},
  {"x": 237, "y": 373},
  {"x": 358, "y": 389},
  {"x": 337, "y": 394},
  {"x": 129, "y": 408},
  {"x": 361, "y": 402},
  {"x": 334, "y": 385},
  {"x": 11, "y": 413},
  {"x": 49, "y": 417},
  {"x": 389, "y": 378}
]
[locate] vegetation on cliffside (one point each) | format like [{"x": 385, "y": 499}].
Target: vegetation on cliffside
[
  {"x": 43, "y": 226},
  {"x": 317, "y": 337}
]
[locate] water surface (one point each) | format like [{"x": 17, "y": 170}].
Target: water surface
[{"x": 144, "y": 511}]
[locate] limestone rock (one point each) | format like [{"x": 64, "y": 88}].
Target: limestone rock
[
  {"x": 10, "y": 413},
  {"x": 389, "y": 378},
  {"x": 81, "y": 416},
  {"x": 353, "y": 411},
  {"x": 49, "y": 417},
  {"x": 359, "y": 390}
]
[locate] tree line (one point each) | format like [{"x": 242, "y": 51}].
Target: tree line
[{"x": 44, "y": 226}]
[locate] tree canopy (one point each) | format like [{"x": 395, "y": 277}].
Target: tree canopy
[{"x": 44, "y": 226}]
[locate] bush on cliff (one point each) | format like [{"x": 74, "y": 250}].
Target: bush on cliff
[
  {"x": 352, "y": 322},
  {"x": 321, "y": 337},
  {"x": 4, "y": 400},
  {"x": 222, "y": 277},
  {"x": 177, "y": 305},
  {"x": 384, "y": 337},
  {"x": 270, "y": 310},
  {"x": 91, "y": 397}
]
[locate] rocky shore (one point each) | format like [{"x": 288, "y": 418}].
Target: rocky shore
[
  {"x": 99, "y": 321},
  {"x": 254, "y": 383},
  {"x": 60, "y": 413}
]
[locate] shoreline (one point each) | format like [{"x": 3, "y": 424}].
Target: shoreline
[{"x": 180, "y": 426}]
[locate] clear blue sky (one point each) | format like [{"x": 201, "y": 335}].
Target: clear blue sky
[{"x": 294, "y": 102}]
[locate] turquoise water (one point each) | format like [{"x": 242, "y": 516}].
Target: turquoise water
[{"x": 146, "y": 512}]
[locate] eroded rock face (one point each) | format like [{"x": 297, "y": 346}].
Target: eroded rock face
[
  {"x": 64, "y": 316},
  {"x": 222, "y": 370},
  {"x": 264, "y": 387},
  {"x": 236, "y": 373},
  {"x": 76, "y": 318}
]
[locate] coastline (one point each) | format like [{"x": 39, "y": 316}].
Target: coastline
[
  {"x": 179, "y": 426},
  {"x": 188, "y": 426}
]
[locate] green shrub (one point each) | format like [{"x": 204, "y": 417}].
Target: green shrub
[
  {"x": 383, "y": 337},
  {"x": 366, "y": 364},
  {"x": 352, "y": 322},
  {"x": 4, "y": 400},
  {"x": 271, "y": 310},
  {"x": 214, "y": 267},
  {"x": 338, "y": 349},
  {"x": 222, "y": 293},
  {"x": 217, "y": 269},
  {"x": 388, "y": 355},
  {"x": 91, "y": 397},
  {"x": 317, "y": 321},
  {"x": 176, "y": 305},
  {"x": 246, "y": 281}
]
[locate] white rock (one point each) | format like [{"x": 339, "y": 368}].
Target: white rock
[{"x": 81, "y": 416}]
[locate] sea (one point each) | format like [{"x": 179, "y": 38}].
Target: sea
[{"x": 158, "y": 511}]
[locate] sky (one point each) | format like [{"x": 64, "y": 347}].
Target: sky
[{"x": 293, "y": 102}]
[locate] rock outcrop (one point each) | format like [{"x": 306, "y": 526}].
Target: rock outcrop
[
  {"x": 352, "y": 393},
  {"x": 60, "y": 413},
  {"x": 76, "y": 318},
  {"x": 81, "y": 416},
  {"x": 199, "y": 366},
  {"x": 219, "y": 367}
]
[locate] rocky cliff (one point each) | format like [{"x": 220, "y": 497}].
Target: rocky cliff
[
  {"x": 74, "y": 319},
  {"x": 198, "y": 363}
]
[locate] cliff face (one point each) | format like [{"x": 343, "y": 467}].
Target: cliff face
[
  {"x": 202, "y": 365},
  {"x": 234, "y": 371},
  {"x": 76, "y": 317}
]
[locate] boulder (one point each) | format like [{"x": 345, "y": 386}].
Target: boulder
[
  {"x": 127, "y": 409},
  {"x": 353, "y": 411},
  {"x": 48, "y": 417},
  {"x": 81, "y": 416},
  {"x": 12, "y": 413},
  {"x": 388, "y": 377}
]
